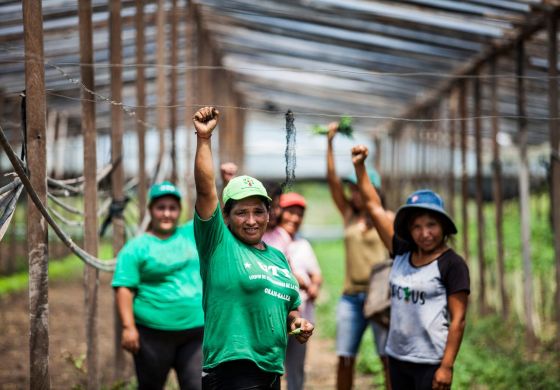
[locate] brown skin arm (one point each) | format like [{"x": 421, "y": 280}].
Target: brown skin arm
[
  {"x": 314, "y": 286},
  {"x": 130, "y": 337},
  {"x": 382, "y": 219},
  {"x": 457, "y": 304},
  {"x": 295, "y": 322},
  {"x": 335, "y": 184},
  {"x": 205, "y": 120}
]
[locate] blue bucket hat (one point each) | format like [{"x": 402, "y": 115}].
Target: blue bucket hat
[
  {"x": 422, "y": 200},
  {"x": 164, "y": 188},
  {"x": 373, "y": 175}
]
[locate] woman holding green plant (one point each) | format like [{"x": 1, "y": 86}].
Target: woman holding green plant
[
  {"x": 363, "y": 249},
  {"x": 250, "y": 295},
  {"x": 429, "y": 285}
]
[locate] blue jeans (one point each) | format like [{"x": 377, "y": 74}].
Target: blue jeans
[{"x": 351, "y": 324}]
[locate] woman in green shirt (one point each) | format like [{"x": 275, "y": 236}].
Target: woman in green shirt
[
  {"x": 159, "y": 296},
  {"x": 250, "y": 297}
]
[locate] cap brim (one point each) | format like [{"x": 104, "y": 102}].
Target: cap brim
[{"x": 403, "y": 214}]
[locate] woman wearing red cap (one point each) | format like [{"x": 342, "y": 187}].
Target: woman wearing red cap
[
  {"x": 250, "y": 296},
  {"x": 305, "y": 267},
  {"x": 429, "y": 286}
]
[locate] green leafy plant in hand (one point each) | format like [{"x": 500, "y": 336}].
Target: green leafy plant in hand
[{"x": 344, "y": 127}]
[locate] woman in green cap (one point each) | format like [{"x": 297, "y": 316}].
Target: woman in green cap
[
  {"x": 159, "y": 296},
  {"x": 429, "y": 284},
  {"x": 250, "y": 295}
]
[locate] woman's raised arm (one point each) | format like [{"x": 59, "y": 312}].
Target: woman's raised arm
[
  {"x": 382, "y": 219},
  {"x": 205, "y": 120},
  {"x": 335, "y": 185}
]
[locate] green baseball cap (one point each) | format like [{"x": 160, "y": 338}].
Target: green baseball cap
[
  {"x": 242, "y": 187},
  {"x": 163, "y": 189}
]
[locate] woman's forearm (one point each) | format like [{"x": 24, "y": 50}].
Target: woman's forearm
[
  {"x": 205, "y": 120},
  {"x": 457, "y": 308},
  {"x": 125, "y": 298}
]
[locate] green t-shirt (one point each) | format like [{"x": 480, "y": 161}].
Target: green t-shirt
[
  {"x": 248, "y": 294},
  {"x": 166, "y": 277}
]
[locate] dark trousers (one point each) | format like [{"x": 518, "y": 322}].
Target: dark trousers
[
  {"x": 161, "y": 350},
  {"x": 239, "y": 375},
  {"x": 411, "y": 376},
  {"x": 295, "y": 364}
]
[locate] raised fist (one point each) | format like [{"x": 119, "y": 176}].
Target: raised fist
[
  {"x": 359, "y": 154},
  {"x": 205, "y": 120}
]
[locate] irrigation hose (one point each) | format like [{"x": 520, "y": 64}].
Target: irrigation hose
[{"x": 103, "y": 265}]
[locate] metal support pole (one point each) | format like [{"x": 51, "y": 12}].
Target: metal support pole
[{"x": 37, "y": 234}]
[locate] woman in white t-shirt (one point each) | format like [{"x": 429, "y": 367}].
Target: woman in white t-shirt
[{"x": 429, "y": 285}]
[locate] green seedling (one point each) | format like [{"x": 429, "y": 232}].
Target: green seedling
[
  {"x": 295, "y": 331},
  {"x": 344, "y": 127}
]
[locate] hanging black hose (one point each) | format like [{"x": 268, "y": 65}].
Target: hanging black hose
[{"x": 290, "y": 152}]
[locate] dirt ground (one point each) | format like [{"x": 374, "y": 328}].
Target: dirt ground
[{"x": 68, "y": 347}]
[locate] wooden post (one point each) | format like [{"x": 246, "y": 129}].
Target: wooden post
[
  {"x": 141, "y": 110},
  {"x": 240, "y": 133},
  {"x": 91, "y": 275},
  {"x": 37, "y": 234},
  {"x": 190, "y": 88},
  {"x": 524, "y": 201},
  {"x": 497, "y": 192},
  {"x": 117, "y": 176},
  {"x": 554, "y": 153},
  {"x": 60, "y": 150},
  {"x": 160, "y": 78},
  {"x": 173, "y": 90},
  {"x": 453, "y": 101},
  {"x": 50, "y": 142},
  {"x": 464, "y": 173},
  {"x": 482, "y": 308}
]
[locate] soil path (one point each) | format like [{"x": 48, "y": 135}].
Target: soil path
[{"x": 67, "y": 342}]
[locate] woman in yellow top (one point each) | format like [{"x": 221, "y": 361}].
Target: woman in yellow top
[{"x": 363, "y": 249}]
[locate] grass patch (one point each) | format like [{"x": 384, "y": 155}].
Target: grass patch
[{"x": 68, "y": 268}]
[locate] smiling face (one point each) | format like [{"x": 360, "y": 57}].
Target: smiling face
[
  {"x": 164, "y": 212},
  {"x": 291, "y": 219},
  {"x": 247, "y": 220},
  {"x": 427, "y": 232}
]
